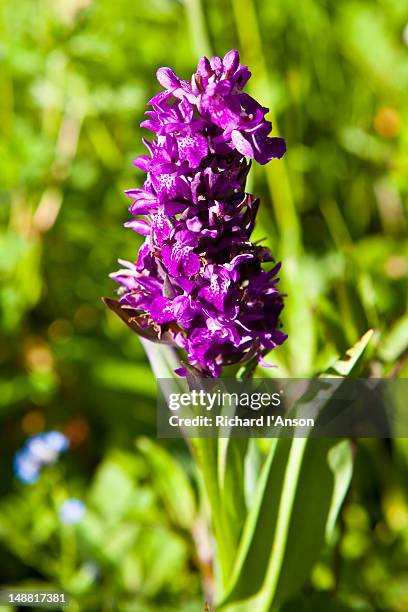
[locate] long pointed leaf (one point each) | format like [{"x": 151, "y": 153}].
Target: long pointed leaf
[{"x": 299, "y": 494}]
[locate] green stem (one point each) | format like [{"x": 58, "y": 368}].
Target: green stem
[
  {"x": 206, "y": 456},
  {"x": 198, "y": 28}
]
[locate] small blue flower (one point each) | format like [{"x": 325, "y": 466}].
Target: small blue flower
[
  {"x": 39, "y": 450},
  {"x": 72, "y": 511},
  {"x": 57, "y": 441},
  {"x": 26, "y": 468}
]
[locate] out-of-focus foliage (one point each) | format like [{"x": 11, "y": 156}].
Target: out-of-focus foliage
[
  {"x": 126, "y": 550},
  {"x": 75, "y": 76}
]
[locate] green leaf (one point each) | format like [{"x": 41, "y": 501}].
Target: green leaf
[
  {"x": 396, "y": 341},
  {"x": 314, "y": 602},
  {"x": 350, "y": 362},
  {"x": 231, "y": 479},
  {"x": 164, "y": 555},
  {"x": 121, "y": 375},
  {"x": 163, "y": 359},
  {"x": 340, "y": 459},
  {"x": 170, "y": 482},
  {"x": 297, "y": 499},
  {"x": 258, "y": 534},
  {"x": 112, "y": 490},
  {"x": 299, "y": 494}
]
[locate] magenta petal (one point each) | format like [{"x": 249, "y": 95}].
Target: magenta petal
[
  {"x": 161, "y": 310},
  {"x": 241, "y": 144},
  {"x": 167, "y": 78},
  {"x": 139, "y": 226},
  {"x": 181, "y": 371},
  {"x": 204, "y": 68},
  {"x": 277, "y": 147},
  {"x": 216, "y": 63},
  {"x": 143, "y": 202},
  {"x": 149, "y": 124},
  {"x": 193, "y": 149},
  {"x": 231, "y": 61},
  {"x": 142, "y": 162},
  {"x": 194, "y": 224},
  {"x": 268, "y": 149}
]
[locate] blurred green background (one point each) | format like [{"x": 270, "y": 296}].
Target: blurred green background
[{"x": 75, "y": 77}]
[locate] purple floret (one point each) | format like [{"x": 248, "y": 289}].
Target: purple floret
[{"x": 198, "y": 280}]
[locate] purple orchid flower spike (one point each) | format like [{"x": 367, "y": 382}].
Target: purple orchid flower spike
[{"x": 199, "y": 283}]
